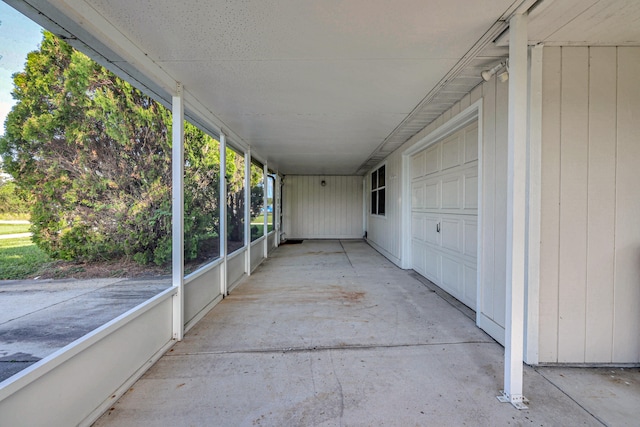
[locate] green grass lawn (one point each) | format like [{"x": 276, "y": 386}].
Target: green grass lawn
[
  {"x": 257, "y": 225},
  {"x": 14, "y": 228},
  {"x": 20, "y": 258},
  {"x": 4, "y": 216},
  {"x": 260, "y": 219}
]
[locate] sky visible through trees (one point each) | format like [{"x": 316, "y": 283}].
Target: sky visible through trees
[{"x": 18, "y": 36}]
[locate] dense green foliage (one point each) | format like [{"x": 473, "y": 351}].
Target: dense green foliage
[
  {"x": 257, "y": 200},
  {"x": 235, "y": 199},
  {"x": 12, "y": 201},
  {"x": 94, "y": 155},
  {"x": 201, "y": 201}
]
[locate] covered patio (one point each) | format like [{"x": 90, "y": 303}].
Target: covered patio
[
  {"x": 492, "y": 149},
  {"x": 331, "y": 333}
]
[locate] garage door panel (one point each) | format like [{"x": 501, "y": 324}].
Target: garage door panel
[
  {"x": 471, "y": 144},
  {"x": 432, "y": 264},
  {"x": 431, "y": 230},
  {"x": 417, "y": 195},
  {"x": 470, "y": 236},
  {"x": 431, "y": 194},
  {"x": 451, "y": 186},
  {"x": 418, "y": 227},
  {"x": 451, "y": 235},
  {"x": 451, "y": 152},
  {"x": 432, "y": 159},
  {"x": 471, "y": 191},
  {"x": 418, "y": 165},
  {"x": 418, "y": 257},
  {"x": 451, "y": 275}
]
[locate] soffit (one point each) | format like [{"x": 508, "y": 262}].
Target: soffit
[
  {"x": 584, "y": 23},
  {"x": 552, "y": 22}
]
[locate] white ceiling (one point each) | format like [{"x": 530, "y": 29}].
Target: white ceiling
[{"x": 316, "y": 87}]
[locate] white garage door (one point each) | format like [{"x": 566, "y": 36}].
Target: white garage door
[{"x": 444, "y": 211}]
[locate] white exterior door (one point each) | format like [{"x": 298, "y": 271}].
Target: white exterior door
[{"x": 444, "y": 213}]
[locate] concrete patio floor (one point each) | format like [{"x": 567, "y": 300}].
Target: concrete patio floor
[{"x": 330, "y": 333}]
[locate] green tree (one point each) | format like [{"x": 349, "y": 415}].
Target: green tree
[
  {"x": 201, "y": 199},
  {"x": 235, "y": 196},
  {"x": 94, "y": 154},
  {"x": 12, "y": 201}
]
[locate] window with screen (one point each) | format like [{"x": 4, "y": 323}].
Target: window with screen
[
  {"x": 235, "y": 200},
  {"x": 257, "y": 200},
  {"x": 378, "y": 191},
  {"x": 271, "y": 187}
]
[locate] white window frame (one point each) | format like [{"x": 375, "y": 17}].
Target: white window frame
[{"x": 376, "y": 190}]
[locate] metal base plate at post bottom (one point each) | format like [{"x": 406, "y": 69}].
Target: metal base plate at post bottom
[{"x": 519, "y": 402}]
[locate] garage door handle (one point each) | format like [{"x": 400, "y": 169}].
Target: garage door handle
[{"x": 438, "y": 227}]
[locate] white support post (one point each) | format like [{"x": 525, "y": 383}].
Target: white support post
[
  {"x": 281, "y": 220},
  {"x": 177, "y": 211},
  {"x": 223, "y": 214},
  {"x": 365, "y": 207},
  {"x": 247, "y": 211},
  {"x": 276, "y": 207},
  {"x": 265, "y": 231},
  {"x": 516, "y": 211}
]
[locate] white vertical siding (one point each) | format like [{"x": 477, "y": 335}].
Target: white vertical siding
[
  {"x": 493, "y": 230},
  {"x": 574, "y": 98},
  {"x": 550, "y": 205},
  {"x": 626, "y": 339},
  {"x": 313, "y": 211},
  {"x": 590, "y": 233},
  {"x": 601, "y": 216},
  {"x": 383, "y": 233}
]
